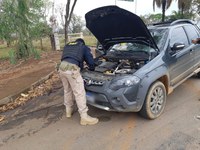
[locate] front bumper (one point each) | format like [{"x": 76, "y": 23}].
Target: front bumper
[{"x": 122, "y": 100}]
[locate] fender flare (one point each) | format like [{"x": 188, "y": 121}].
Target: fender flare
[{"x": 148, "y": 80}]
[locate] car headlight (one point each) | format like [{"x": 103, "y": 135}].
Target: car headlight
[{"x": 124, "y": 82}]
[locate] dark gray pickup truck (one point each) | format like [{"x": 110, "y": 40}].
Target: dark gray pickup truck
[{"x": 140, "y": 65}]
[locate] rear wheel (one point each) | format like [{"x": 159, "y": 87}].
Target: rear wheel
[{"x": 155, "y": 101}]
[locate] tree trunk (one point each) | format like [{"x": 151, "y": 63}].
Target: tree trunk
[
  {"x": 68, "y": 17},
  {"x": 182, "y": 10},
  {"x": 52, "y": 39},
  {"x": 163, "y": 10},
  {"x": 41, "y": 44},
  {"x": 66, "y": 33}
]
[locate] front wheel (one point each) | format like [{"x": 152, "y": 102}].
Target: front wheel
[{"x": 155, "y": 101}]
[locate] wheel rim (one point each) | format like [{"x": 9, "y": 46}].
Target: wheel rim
[{"x": 157, "y": 100}]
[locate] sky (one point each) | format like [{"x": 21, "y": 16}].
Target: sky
[{"x": 139, "y": 7}]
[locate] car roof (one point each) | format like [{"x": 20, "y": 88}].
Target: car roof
[{"x": 169, "y": 24}]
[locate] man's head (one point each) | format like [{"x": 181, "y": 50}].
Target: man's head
[{"x": 80, "y": 40}]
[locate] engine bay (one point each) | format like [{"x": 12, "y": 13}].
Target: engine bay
[
  {"x": 122, "y": 66},
  {"x": 116, "y": 63}
]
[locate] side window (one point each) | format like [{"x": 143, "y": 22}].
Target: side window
[
  {"x": 178, "y": 36},
  {"x": 191, "y": 32}
]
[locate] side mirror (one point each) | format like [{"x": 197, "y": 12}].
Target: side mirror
[{"x": 177, "y": 46}]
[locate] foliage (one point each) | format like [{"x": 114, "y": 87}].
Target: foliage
[
  {"x": 12, "y": 56},
  {"x": 76, "y": 24},
  {"x": 36, "y": 53},
  {"x": 163, "y": 4},
  {"x": 23, "y": 20},
  {"x": 178, "y": 15},
  {"x": 40, "y": 30},
  {"x": 151, "y": 18},
  {"x": 195, "y": 7},
  {"x": 6, "y": 22},
  {"x": 184, "y": 6}
]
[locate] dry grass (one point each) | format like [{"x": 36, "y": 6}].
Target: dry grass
[{"x": 4, "y": 50}]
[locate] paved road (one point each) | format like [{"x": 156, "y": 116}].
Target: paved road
[{"x": 41, "y": 125}]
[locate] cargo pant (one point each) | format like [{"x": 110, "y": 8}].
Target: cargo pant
[{"x": 73, "y": 86}]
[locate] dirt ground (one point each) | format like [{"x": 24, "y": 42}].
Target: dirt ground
[
  {"x": 41, "y": 123},
  {"x": 15, "y": 78}
]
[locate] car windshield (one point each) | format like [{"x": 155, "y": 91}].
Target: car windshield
[
  {"x": 131, "y": 47},
  {"x": 159, "y": 36}
]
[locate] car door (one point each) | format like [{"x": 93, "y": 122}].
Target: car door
[
  {"x": 193, "y": 33},
  {"x": 181, "y": 61}
]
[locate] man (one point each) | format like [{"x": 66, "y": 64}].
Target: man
[{"x": 74, "y": 54}]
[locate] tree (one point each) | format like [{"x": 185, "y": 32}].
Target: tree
[
  {"x": 6, "y": 25},
  {"x": 152, "y": 18},
  {"x": 39, "y": 31},
  {"x": 195, "y": 7},
  {"x": 76, "y": 24},
  {"x": 60, "y": 10},
  {"x": 184, "y": 6},
  {"x": 164, "y": 4},
  {"x": 19, "y": 17},
  {"x": 68, "y": 16},
  {"x": 175, "y": 15}
]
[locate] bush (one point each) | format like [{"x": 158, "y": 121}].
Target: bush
[
  {"x": 36, "y": 53},
  {"x": 12, "y": 56}
]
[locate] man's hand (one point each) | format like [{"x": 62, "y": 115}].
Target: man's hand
[{"x": 196, "y": 41}]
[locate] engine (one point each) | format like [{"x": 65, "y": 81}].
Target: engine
[{"x": 119, "y": 67}]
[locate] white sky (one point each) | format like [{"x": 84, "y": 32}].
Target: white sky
[{"x": 143, "y": 6}]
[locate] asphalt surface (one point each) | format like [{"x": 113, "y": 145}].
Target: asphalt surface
[{"x": 41, "y": 124}]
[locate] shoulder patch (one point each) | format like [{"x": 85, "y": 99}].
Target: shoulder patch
[{"x": 72, "y": 43}]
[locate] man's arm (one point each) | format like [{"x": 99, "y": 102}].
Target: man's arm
[{"x": 89, "y": 58}]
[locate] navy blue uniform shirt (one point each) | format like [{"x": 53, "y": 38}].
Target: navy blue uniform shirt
[{"x": 87, "y": 57}]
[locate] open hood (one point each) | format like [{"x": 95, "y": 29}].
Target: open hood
[{"x": 111, "y": 25}]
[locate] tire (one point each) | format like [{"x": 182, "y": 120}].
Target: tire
[{"x": 155, "y": 101}]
